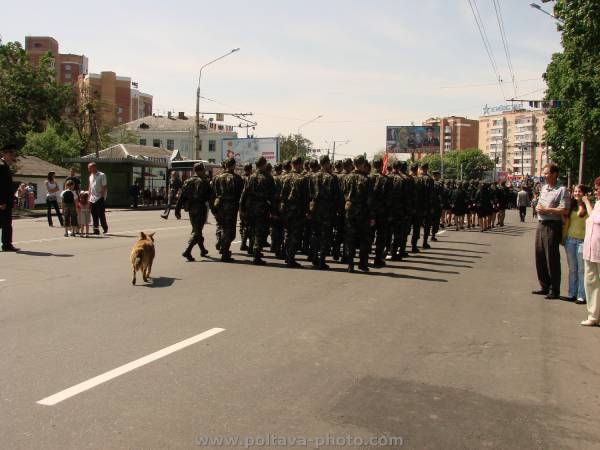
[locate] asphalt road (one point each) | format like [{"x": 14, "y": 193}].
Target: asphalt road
[{"x": 446, "y": 350}]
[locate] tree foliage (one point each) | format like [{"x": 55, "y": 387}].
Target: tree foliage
[
  {"x": 294, "y": 145},
  {"x": 474, "y": 162},
  {"x": 52, "y": 146},
  {"x": 29, "y": 97},
  {"x": 573, "y": 78}
]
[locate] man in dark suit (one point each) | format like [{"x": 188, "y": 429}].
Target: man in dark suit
[{"x": 7, "y": 198}]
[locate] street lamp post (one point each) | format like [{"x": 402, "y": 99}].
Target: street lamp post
[
  {"x": 539, "y": 8},
  {"x": 303, "y": 125},
  {"x": 198, "y": 97},
  {"x": 334, "y": 142}
]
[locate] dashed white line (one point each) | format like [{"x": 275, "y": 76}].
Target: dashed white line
[
  {"x": 106, "y": 376},
  {"x": 116, "y": 233}
]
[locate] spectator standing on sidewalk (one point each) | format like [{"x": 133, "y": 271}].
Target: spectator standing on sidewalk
[
  {"x": 84, "y": 213},
  {"x": 573, "y": 234},
  {"x": 591, "y": 257},
  {"x": 522, "y": 202},
  {"x": 70, "y": 202},
  {"x": 75, "y": 179},
  {"x": 553, "y": 203},
  {"x": 98, "y": 190},
  {"x": 21, "y": 196},
  {"x": 7, "y": 198},
  {"x": 52, "y": 190}
]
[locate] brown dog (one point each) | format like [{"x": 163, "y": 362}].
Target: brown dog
[{"x": 142, "y": 255}]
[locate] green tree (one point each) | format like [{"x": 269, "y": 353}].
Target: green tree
[
  {"x": 52, "y": 146},
  {"x": 29, "y": 97},
  {"x": 294, "y": 145},
  {"x": 574, "y": 79},
  {"x": 473, "y": 161}
]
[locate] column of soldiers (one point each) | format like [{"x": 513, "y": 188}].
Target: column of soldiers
[{"x": 318, "y": 209}]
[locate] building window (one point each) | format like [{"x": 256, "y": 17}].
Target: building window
[
  {"x": 155, "y": 142},
  {"x": 142, "y": 141},
  {"x": 68, "y": 67},
  {"x": 37, "y": 45},
  {"x": 212, "y": 146},
  {"x": 170, "y": 144},
  {"x": 67, "y": 76}
]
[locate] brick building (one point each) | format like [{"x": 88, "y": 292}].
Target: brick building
[
  {"x": 68, "y": 66},
  {"x": 456, "y": 133},
  {"x": 118, "y": 102}
]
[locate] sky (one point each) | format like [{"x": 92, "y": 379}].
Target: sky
[{"x": 360, "y": 65}]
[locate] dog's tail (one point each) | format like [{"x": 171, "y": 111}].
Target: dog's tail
[{"x": 137, "y": 260}]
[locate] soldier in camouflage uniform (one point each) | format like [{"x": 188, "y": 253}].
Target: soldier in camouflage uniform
[
  {"x": 276, "y": 224},
  {"x": 293, "y": 207},
  {"x": 218, "y": 230},
  {"x": 244, "y": 231},
  {"x": 429, "y": 201},
  {"x": 380, "y": 205},
  {"x": 409, "y": 200},
  {"x": 357, "y": 217},
  {"x": 256, "y": 206},
  {"x": 397, "y": 210},
  {"x": 338, "y": 225},
  {"x": 437, "y": 205},
  {"x": 417, "y": 219},
  {"x": 227, "y": 190},
  {"x": 325, "y": 202},
  {"x": 195, "y": 193}
]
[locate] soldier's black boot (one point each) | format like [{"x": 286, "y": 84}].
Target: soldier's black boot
[
  {"x": 257, "y": 260},
  {"x": 363, "y": 265},
  {"x": 203, "y": 250},
  {"x": 350, "y": 265},
  {"x": 378, "y": 263},
  {"x": 226, "y": 257},
  {"x": 322, "y": 264},
  {"x": 426, "y": 245},
  {"x": 187, "y": 254},
  {"x": 292, "y": 263},
  {"x": 415, "y": 249}
]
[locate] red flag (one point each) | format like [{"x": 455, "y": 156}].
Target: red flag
[{"x": 385, "y": 163}]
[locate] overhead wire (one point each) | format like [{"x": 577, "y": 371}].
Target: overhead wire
[
  {"x": 500, "y": 20},
  {"x": 486, "y": 44}
]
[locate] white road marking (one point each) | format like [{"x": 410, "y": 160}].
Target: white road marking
[
  {"x": 2, "y": 279},
  {"x": 441, "y": 232},
  {"x": 116, "y": 232},
  {"x": 103, "y": 378}
]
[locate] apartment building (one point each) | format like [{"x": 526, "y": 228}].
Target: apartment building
[
  {"x": 117, "y": 101},
  {"x": 515, "y": 140},
  {"x": 178, "y": 132},
  {"x": 456, "y": 133},
  {"x": 68, "y": 66}
]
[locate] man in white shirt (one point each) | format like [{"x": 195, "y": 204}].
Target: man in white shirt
[{"x": 98, "y": 190}]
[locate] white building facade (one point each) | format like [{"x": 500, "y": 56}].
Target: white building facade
[{"x": 178, "y": 133}]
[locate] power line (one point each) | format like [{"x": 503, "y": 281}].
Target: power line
[
  {"x": 498, "y": 10},
  {"x": 486, "y": 44}
]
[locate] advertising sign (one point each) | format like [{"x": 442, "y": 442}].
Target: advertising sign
[
  {"x": 413, "y": 139},
  {"x": 248, "y": 150}
]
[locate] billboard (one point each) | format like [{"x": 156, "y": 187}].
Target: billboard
[
  {"x": 413, "y": 139},
  {"x": 248, "y": 150}
]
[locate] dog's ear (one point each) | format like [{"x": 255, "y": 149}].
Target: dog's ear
[
  {"x": 151, "y": 236},
  {"x": 142, "y": 235}
]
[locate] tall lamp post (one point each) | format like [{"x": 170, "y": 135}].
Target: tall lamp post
[
  {"x": 303, "y": 125},
  {"x": 198, "y": 97},
  {"x": 334, "y": 142}
]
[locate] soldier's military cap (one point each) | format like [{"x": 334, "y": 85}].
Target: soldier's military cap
[
  {"x": 359, "y": 159},
  {"x": 230, "y": 162},
  {"x": 324, "y": 159},
  {"x": 297, "y": 160},
  {"x": 314, "y": 164},
  {"x": 261, "y": 161},
  {"x": 338, "y": 163},
  {"x": 198, "y": 167},
  {"x": 378, "y": 161},
  {"x": 278, "y": 166}
]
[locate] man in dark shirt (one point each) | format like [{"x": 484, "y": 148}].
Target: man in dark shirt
[
  {"x": 7, "y": 198},
  {"x": 75, "y": 179},
  {"x": 175, "y": 185}
]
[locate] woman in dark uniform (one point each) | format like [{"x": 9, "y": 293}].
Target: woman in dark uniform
[{"x": 459, "y": 205}]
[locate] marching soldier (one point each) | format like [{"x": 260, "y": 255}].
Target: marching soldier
[
  {"x": 195, "y": 193},
  {"x": 380, "y": 204},
  {"x": 428, "y": 202},
  {"x": 325, "y": 196},
  {"x": 357, "y": 217},
  {"x": 338, "y": 226},
  {"x": 276, "y": 224},
  {"x": 228, "y": 188},
  {"x": 256, "y": 206},
  {"x": 438, "y": 204},
  {"x": 397, "y": 210},
  {"x": 244, "y": 231},
  {"x": 410, "y": 209},
  {"x": 419, "y": 212},
  {"x": 294, "y": 199}
]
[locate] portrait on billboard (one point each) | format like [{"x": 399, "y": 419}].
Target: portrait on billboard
[{"x": 408, "y": 139}]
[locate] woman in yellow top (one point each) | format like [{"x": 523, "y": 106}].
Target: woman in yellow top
[{"x": 575, "y": 234}]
